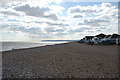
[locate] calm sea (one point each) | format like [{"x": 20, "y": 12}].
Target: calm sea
[{"x": 19, "y": 45}]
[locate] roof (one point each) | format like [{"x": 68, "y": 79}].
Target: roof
[
  {"x": 107, "y": 36},
  {"x": 100, "y": 35},
  {"x": 115, "y": 36},
  {"x": 89, "y": 36}
]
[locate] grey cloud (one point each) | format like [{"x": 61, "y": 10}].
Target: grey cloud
[
  {"x": 90, "y": 23},
  {"x": 81, "y": 29},
  {"x": 95, "y": 22},
  {"x": 57, "y": 24},
  {"x": 34, "y": 32},
  {"x": 32, "y": 11},
  {"x": 15, "y": 27},
  {"x": 51, "y": 24},
  {"x": 36, "y": 11},
  {"x": 50, "y": 29},
  {"x": 66, "y": 24},
  {"x": 100, "y": 21},
  {"x": 4, "y": 26},
  {"x": 60, "y": 34},
  {"x": 78, "y": 10},
  {"x": 9, "y": 13},
  {"x": 39, "y": 22},
  {"x": 54, "y": 29},
  {"x": 51, "y": 16},
  {"x": 77, "y": 16},
  {"x": 4, "y": 3}
]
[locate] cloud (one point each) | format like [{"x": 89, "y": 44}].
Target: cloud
[
  {"x": 81, "y": 29},
  {"x": 81, "y": 9},
  {"x": 91, "y": 1},
  {"x": 9, "y": 13},
  {"x": 94, "y": 22},
  {"x": 57, "y": 9},
  {"x": 57, "y": 22},
  {"x": 100, "y": 18},
  {"x": 34, "y": 30},
  {"x": 95, "y": 16},
  {"x": 29, "y": 32},
  {"x": 77, "y": 16},
  {"x": 7, "y": 3},
  {"x": 42, "y": 3},
  {"x": 36, "y": 11},
  {"x": 105, "y": 5},
  {"x": 54, "y": 30},
  {"x": 96, "y": 10}
]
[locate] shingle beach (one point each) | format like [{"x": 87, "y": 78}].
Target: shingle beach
[{"x": 77, "y": 60}]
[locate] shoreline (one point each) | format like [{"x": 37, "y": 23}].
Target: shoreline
[
  {"x": 62, "y": 61},
  {"x": 33, "y": 47},
  {"x": 58, "y": 44}
]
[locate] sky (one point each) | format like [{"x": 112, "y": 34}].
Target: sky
[{"x": 35, "y": 20}]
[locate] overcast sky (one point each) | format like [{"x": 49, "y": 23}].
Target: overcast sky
[{"x": 35, "y": 20}]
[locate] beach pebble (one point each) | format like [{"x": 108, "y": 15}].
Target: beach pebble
[
  {"x": 60, "y": 59},
  {"x": 103, "y": 76},
  {"x": 12, "y": 75},
  {"x": 20, "y": 75}
]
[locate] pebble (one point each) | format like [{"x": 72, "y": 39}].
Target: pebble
[{"x": 103, "y": 76}]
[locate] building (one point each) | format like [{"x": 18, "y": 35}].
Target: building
[
  {"x": 112, "y": 39},
  {"x": 88, "y": 38},
  {"x": 100, "y": 36}
]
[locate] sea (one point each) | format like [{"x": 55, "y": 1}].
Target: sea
[{"x": 6, "y": 46}]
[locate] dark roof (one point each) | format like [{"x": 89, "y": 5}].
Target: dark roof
[
  {"x": 89, "y": 36},
  {"x": 100, "y": 35},
  {"x": 115, "y": 36},
  {"x": 107, "y": 36}
]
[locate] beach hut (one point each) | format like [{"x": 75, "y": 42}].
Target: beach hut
[
  {"x": 95, "y": 40},
  {"x": 98, "y": 38},
  {"x": 106, "y": 37},
  {"x": 105, "y": 40},
  {"x": 88, "y": 39},
  {"x": 118, "y": 41},
  {"x": 113, "y": 39}
]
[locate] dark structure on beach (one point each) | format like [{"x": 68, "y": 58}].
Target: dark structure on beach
[
  {"x": 100, "y": 36},
  {"x": 114, "y": 36},
  {"x": 107, "y": 36},
  {"x": 102, "y": 39},
  {"x": 88, "y": 37}
]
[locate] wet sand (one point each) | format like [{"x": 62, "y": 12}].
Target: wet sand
[{"x": 73, "y": 59}]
